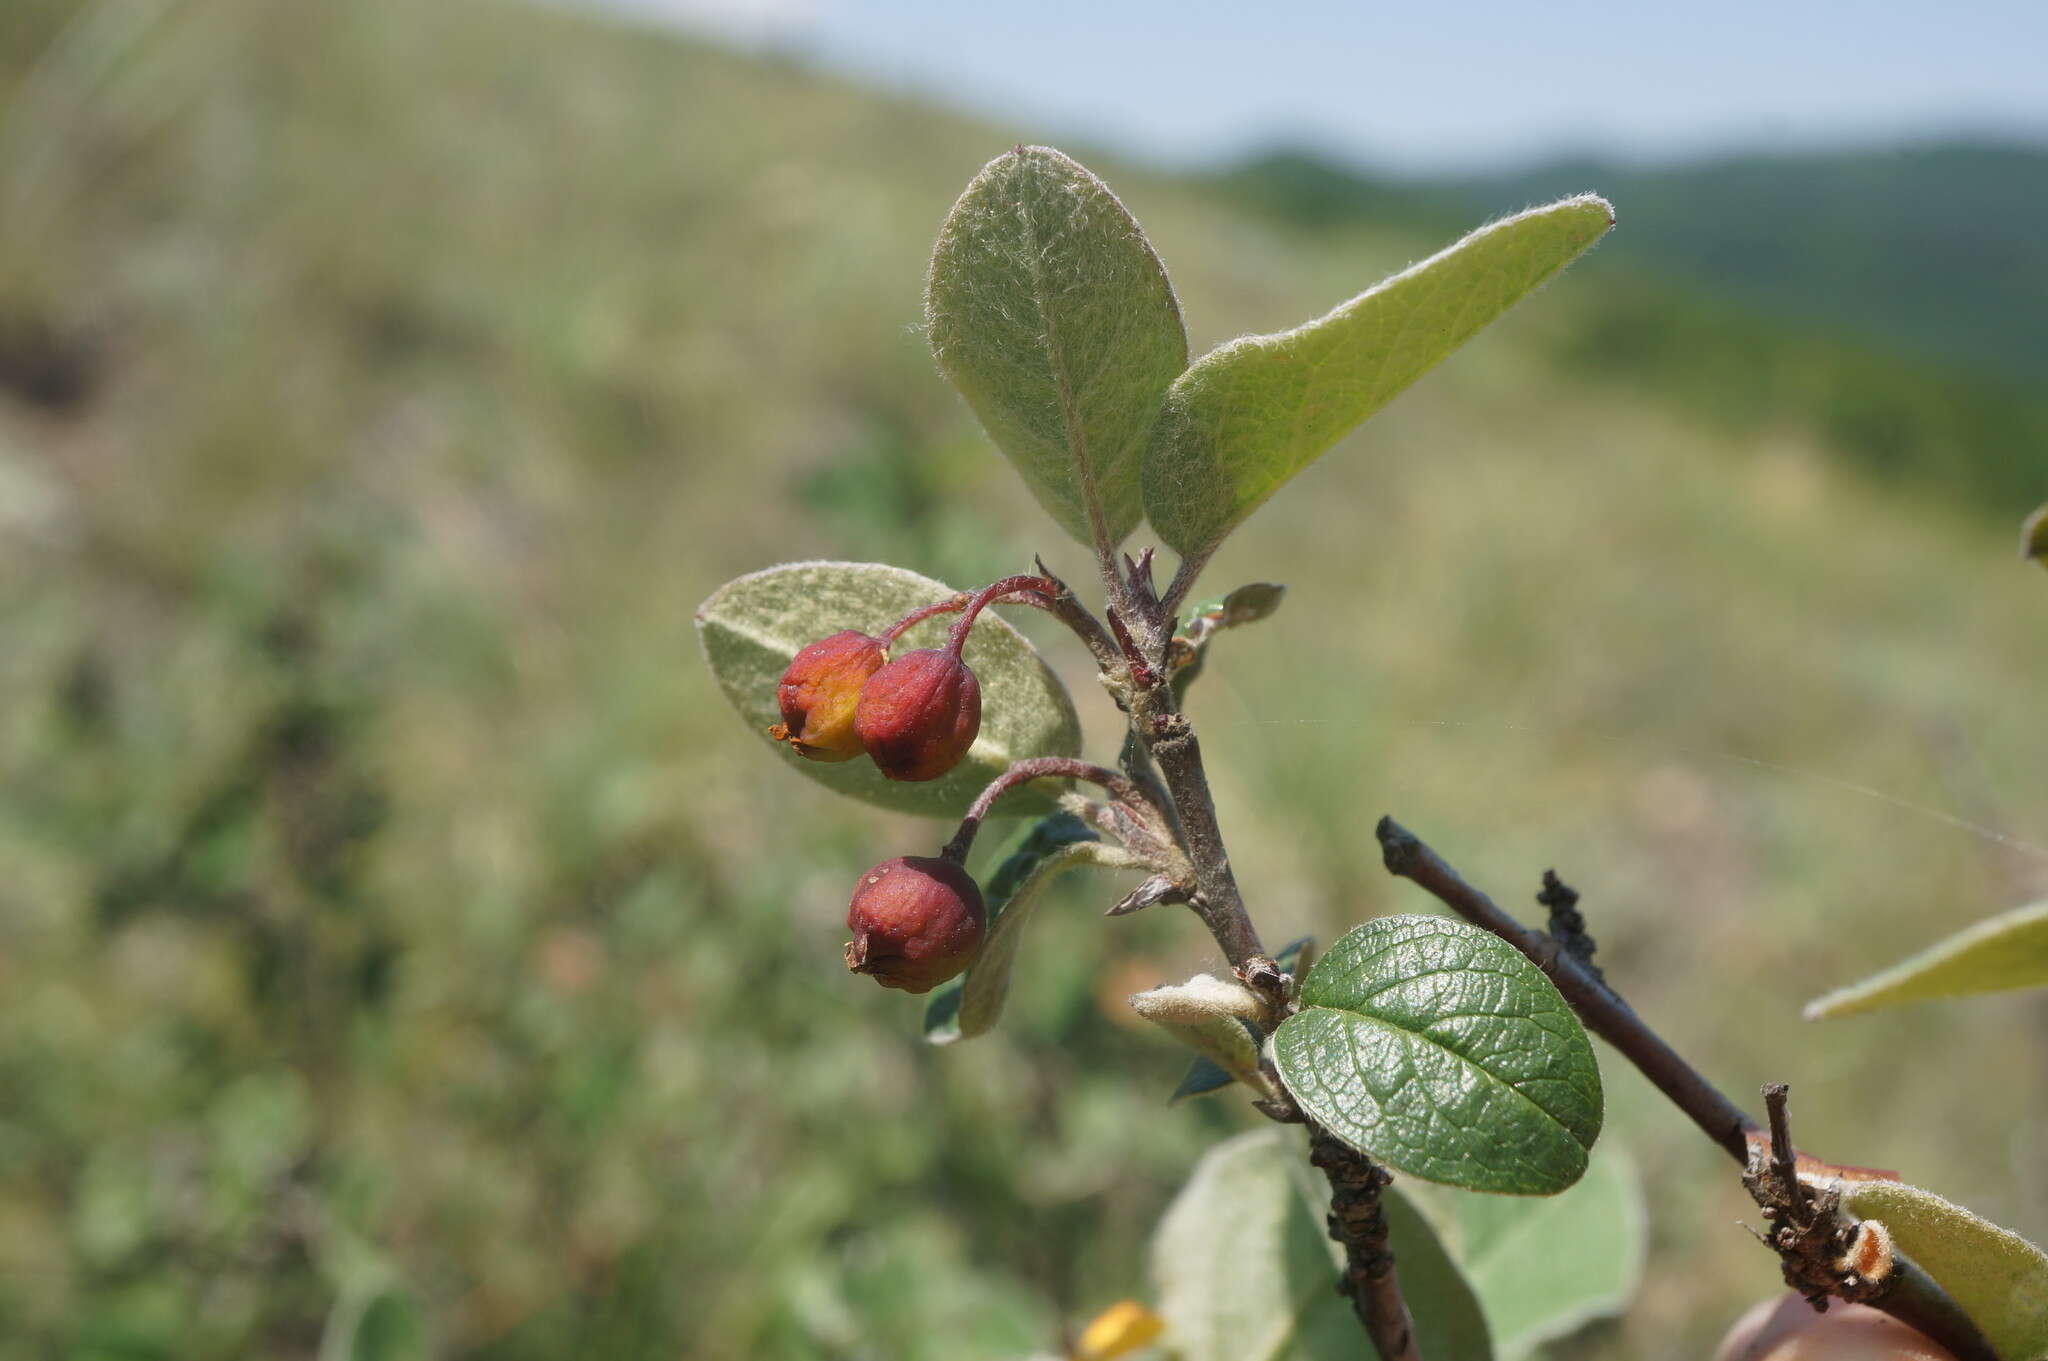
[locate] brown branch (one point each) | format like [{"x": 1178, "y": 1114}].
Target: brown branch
[
  {"x": 1908, "y": 1293},
  {"x": 1358, "y": 1222},
  {"x": 1604, "y": 1013}
]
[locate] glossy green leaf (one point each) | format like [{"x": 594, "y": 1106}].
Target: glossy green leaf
[
  {"x": 1242, "y": 1269},
  {"x": 1436, "y": 1048},
  {"x": 2034, "y": 537},
  {"x": 750, "y": 628},
  {"x": 1998, "y": 1277},
  {"x": 1545, "y": 1267},
  {"x": 2006, "y": 952},
  {"x": 1249, "y": 415},
  {"x": 1049, "y": 311}
]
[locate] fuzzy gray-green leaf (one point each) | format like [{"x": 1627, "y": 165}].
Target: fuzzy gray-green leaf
[
  {"x": 1242, "y": 1269},
  {"x": 750, "y": 628},
  {"x": 2005, "y": 952},
  {"x": 1051, "y": 314},
  {"x": 1436, "y": 1048},
  {"x": 1249, "y": 415},
  {"x": 1998, "y": 1277},
  {"x": 1532, "y": 1293}
]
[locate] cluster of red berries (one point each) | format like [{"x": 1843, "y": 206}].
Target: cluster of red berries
[
  {"x": 917, "y": 921},
  {"x": 915, "y": 716}
]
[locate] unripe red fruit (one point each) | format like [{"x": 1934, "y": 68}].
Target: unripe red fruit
[
  {"x": 919, "y": 714},
  {"x": 916, "y": 922},
  {"x": 820, "y": 694}
]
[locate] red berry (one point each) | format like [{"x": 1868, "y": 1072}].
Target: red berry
[
  {"x": 919, "y": 714},
  {"x": 820, "y": 694},
  {"x": 916, "y": 922}
]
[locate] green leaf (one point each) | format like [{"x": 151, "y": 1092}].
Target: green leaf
[
  {"x": 1203, "y": 1076},
  {"x": 1998, "y": 1277},
  {"x": 2006, "y": 952},
  {"x": 1544, "y": 1268},
  {"x": 1049, "y": 311},
  {"x": 1242, "y": 1269},
  {"x": 1216, "y": 1018},
  {"x": 1251, "y": 414},
  {"x": 750, "y": 628},
  {"x": 1056, "y": 845},
  {"x": 2034, "y": 537},
  {"x": 375, "y": 1325},
  {"x": 1436, "y": 1048}
]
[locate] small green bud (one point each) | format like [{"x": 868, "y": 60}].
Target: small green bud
[
  {"x": 820, "y": 695},
  {"x": 916, "y": 922}
]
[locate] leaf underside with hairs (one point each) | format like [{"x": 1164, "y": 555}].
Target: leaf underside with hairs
[
  {"x": 1204, "y": 1076},
  {"x": 1997, "y": 955},
  {"x": 1544, "y": 1268},
  {"x": 1243, "y": 1270},
  {"x": 1436, "y": 1048},
  {"x": 1049, "y": 311},
  {"x": 1998, "y": 1278},
  {"x": 971, "y": 1006},
  {"x": 752, "y": 627},
  {"x": 1249, "y": 415}
]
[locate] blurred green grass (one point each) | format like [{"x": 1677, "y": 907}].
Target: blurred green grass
[{"x": 389, "y": 896}]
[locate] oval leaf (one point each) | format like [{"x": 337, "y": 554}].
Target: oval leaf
[
  {"x": 750, "y": 628},
  {"x": 1436, "y": 1048},
  {"x": 1050, "y": 312},
  {"x": 1533, "y": 1292},
  {"x": 2006, "y": 952},
  {"x": 1214, "y": 1017},
  {"x": 1253, "y": 413},
  {"x": 1242, "y": 1269},
  {"x": 1998, "y": 1277}
]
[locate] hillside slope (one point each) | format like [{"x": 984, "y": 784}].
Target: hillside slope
[{"x": 395, "y": 917}]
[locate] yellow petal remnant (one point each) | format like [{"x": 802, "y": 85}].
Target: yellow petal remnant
[{"x": 1117, "y": 1331}]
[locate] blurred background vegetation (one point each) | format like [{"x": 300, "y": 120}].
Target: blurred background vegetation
[{"x": 397, "y": 931}]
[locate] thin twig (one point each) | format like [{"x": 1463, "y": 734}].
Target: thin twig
[
  {"x": 1358, "y": 1222},
  {"x": 1604, "y": 1013},
  {"x": 1911, "y": 1295}
]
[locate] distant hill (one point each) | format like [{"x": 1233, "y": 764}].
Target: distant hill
[
  {"x": 1898, "y": 298},
  {"x": 1937, "y": 249}
]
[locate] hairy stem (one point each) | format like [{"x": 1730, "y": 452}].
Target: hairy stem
[
  {"x": 1359, "y": 1223},
  {"x": 1038, "y": 768}
]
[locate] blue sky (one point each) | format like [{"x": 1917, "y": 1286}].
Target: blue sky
[{"x": 1454, "y": 84}]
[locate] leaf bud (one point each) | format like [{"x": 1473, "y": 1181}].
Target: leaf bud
[
  {"x": 919, "y": 714},
  {"x": 916, "y": 922},
  {"x": 820, "y": 694}
]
